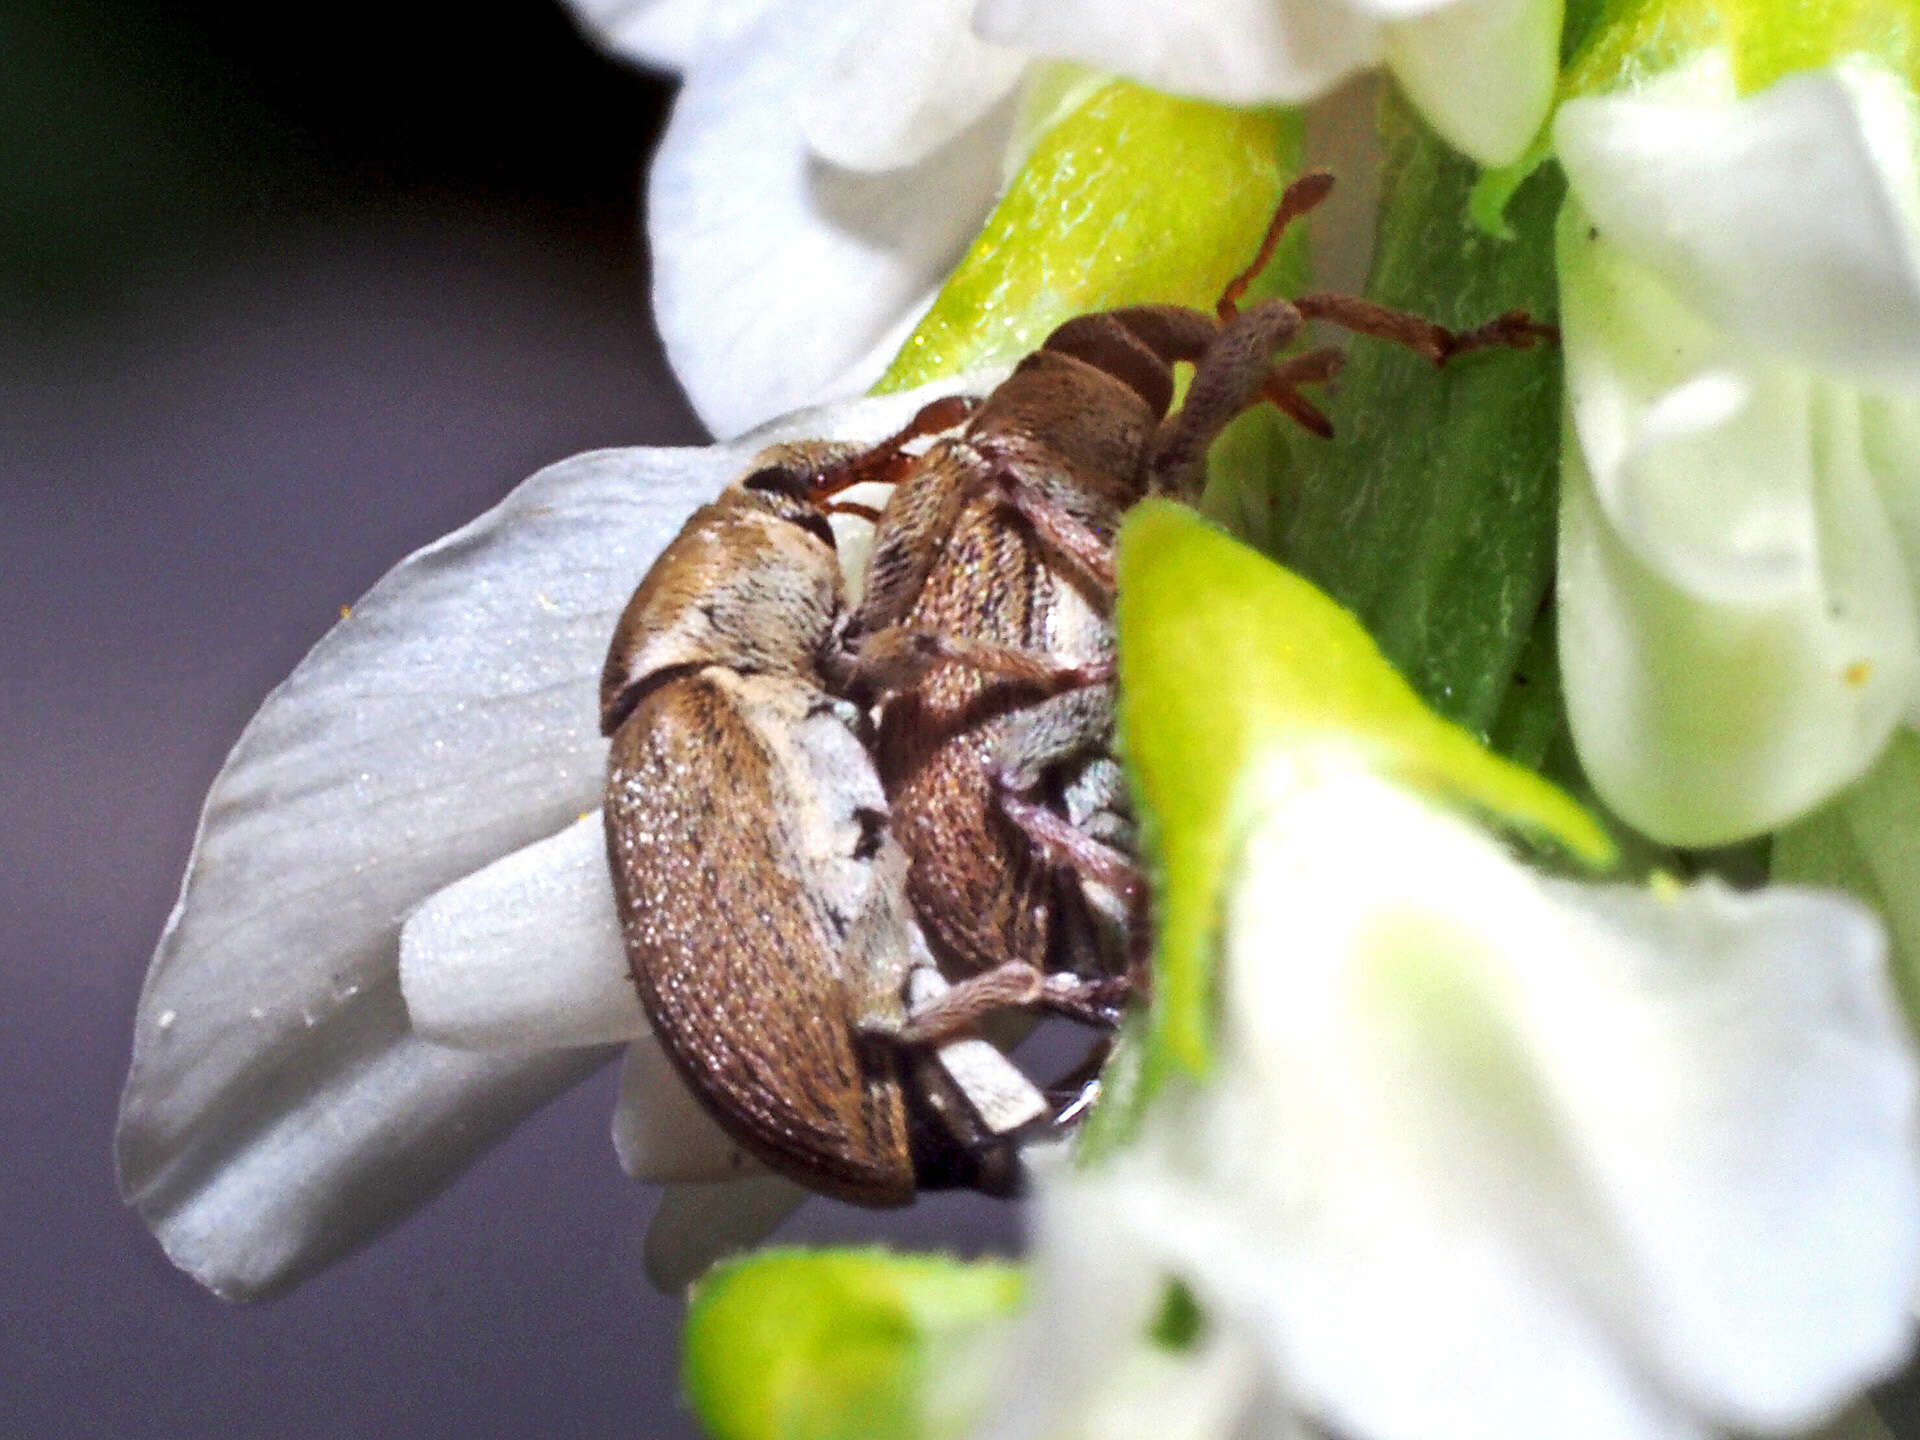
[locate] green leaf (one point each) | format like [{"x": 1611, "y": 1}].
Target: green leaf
[
  {"x": 1133, "y": 197},
  {"x": 790, "y": 1344},
  {"x": 1227, "y": 660},
  {"x": 1431, "y": 513}
]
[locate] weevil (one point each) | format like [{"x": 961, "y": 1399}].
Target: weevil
[
  {"x": 782, "y": 857},
  {"x": 984, "y": 629},
  {"x": 760, "y": 895}
]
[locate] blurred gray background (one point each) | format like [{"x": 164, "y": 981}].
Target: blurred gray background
[{"x": 284, "y": 293}]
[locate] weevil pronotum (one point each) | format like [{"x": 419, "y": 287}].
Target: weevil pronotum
[{"x": 803, "y": 794}]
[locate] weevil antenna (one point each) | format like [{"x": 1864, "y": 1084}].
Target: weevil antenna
[
  {"x": 1301, "y": 196},
  {"x": 887, "y": 461}
]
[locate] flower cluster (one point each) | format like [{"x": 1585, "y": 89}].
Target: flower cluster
[
  {"x": 828, "y": 160},
  {"x": 1454, "y": 1112}
]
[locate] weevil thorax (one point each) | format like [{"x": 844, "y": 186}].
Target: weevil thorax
[
  {"x": 752, "y": 583},
  {"x": 1057, "y": 415}
]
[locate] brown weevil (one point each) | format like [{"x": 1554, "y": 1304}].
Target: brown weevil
[{"x": 843, "y": 835}]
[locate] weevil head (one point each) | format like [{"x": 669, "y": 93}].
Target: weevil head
[{"x": 751, "y": 583}]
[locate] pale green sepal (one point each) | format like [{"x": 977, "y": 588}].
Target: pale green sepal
[
  {"x": 1867, "y": 841},
  {"x": 795, "y": 1344},
  {"x": 1226, "y": 660},
  {"x": 1133, "y": 198},
  {"x": 1763, "y": 39}
]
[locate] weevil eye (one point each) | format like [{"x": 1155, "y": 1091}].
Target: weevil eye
[{"x": 777, "y": 480}]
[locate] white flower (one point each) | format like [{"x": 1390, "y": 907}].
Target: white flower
[
  {"x": 826, "y": 164},
  {"x": 1481, "y": 71},
  {"x": 1740, "y": 534},
  {"x": 1486, "y": 1153},
  {"x": 280, "y": 1108},
  {"x": 828, "y": 161}
]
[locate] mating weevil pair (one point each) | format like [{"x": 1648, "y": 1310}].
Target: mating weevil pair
[{"x": 842, "y": 834}]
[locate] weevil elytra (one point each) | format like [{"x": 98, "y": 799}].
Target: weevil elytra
[
  {"x": 983, "y": 630},
  {"x": 759, "y": 891},
  {"x": 818, "y": 815}
]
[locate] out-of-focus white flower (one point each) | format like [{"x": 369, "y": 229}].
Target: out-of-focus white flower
[
  {"x": 828, "y": 161},
  {"x": 1486, "y": 1153},
  {"x": 1740, "y": 534},
  {"x": 280, "y": 1107},
  {"x": 1480, "y": 71}
]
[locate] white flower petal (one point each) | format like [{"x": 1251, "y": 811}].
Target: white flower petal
[
  {"x": 670, "y": 34},
  {"x": 776, "y": 274},
  {"x": 1238, "y": 51},
  {"x": 1538, "y": 1158},
  {"x": 1890, "y": 446},
  {"x": 697, "y": 1224},
  {"x": 1737, "y": 612},
  {"x": 1482, "y": 72},
  {"x": 525, "y": 954},
  {"x": 278, "y": 1110},
  {"x": 1788, "y": 217},
  {"x": 662, "y": 1134},
  {"x": 1096, "y": 1290},
  {"x": 1391, "y": 1323},
  {"x": 1702, "y": 455},
  {"x": 1758, "y": 1154},
  {"x": 899, "y": 86},
  {"x": 1703, "y": 723}
]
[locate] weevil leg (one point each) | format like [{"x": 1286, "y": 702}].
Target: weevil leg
[
  {"x": 1065, "y": 844},
  {"x": 899, "y": 656},
  {"x": 1075, "y": 541},
  {"x": 1040, "y": 736},
  {"x": 1231, "y": 376},
  {"x": 1084, "y": 844},
  {"x": 1016, "y": 985},
  {"x": 1513, "y": 330},
  {"x": 1314, "y": 367},
  {"x": 913, "y": 529},
  {"x": 1302, "y": 195}
]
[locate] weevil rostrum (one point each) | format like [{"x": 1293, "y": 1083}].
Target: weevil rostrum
[{"x": 844, "y": 832}]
